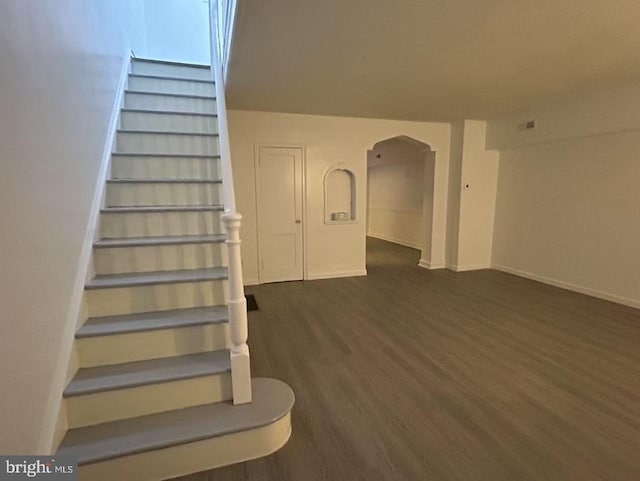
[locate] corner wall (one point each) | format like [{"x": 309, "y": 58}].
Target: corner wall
[
  {"x": 331, "y": 250},
  {"x": 567, "y": 204},
  {"x": 472, "y": 194},
  {"x": 61, "y": 66}
]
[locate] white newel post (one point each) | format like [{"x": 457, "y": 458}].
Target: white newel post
[{"x": 240, "y": 365}]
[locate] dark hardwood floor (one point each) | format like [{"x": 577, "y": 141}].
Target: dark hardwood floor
[{"x": 411, "y": 374}]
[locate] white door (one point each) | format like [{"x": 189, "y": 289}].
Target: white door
[{"x": 279, "y": 201}]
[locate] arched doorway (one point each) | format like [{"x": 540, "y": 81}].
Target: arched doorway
[{"x": 400, "y": 198}]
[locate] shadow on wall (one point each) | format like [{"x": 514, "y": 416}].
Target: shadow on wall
[{"x": 400, "y": 179}]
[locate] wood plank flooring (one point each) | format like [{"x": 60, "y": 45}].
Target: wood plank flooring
[{"x": 411, "y": 374}]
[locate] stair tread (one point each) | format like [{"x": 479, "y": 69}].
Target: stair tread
[
  {"x": 151, "y": 321},
  {"x": 164, "y": 181},
  {"x": 190, "y": 156},
  {"x": 166, "y": 132},
  {"x": 141, "y": 373},
  {"x": 166, "y": 77},
  {"x": 163, "y": 208},
  {"x": 170, "y": 62},
  {"x": 272, "y": 400},
  {"x": 159, "y": 240},
  {"x": 166, "y": 112},
  {"x": 193, "y": 96},
  {"x": 156, "y": 277}
]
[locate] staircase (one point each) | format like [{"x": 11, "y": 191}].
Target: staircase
[{"x": 157, "y": 393}]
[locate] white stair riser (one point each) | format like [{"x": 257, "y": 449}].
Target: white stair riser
[
  {"x": 131, "y": 300},
  {"x": 159, "y": 258},
  {"x": 169, "y": 122},
  {"x": 166, "y": 70},
  {"x": 171, "y": 86},
  {"x": 96, "y": 408},
  {"x": 160, "y": 224},
  {"x": 164, "y": 168},
  {"x": 193, "y": 457},
  {"x": 163, "y": 194},
  {"x": 169, "y": 103},
  {"x": 141, "y": 346},
  {"x": 167, "y": 144}
]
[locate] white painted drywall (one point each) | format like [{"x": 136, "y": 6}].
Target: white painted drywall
[
  {"x": 396, "y": 188},
  {"x": 331, "y": 250},
  {"x": 567, "y": 214},
  {"x": 478, "y": 183},
  {"x": 472, "y": 192},
  {"x": 567, "y": 199},
  {"x": 610, "y": 111},
  {"x": 455, "y": 189},
  {"x": 178, "y": 30},
  {"x": 61, "y": 65}
]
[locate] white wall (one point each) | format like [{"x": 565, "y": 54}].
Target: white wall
[
  {"x": 61, "y": 64},
  {"x": 477, "y": 199},
  {"x": 396, "y": 190},
  {"x": 567, "y": 205},
  {"x": 331, "y": 250},
  {"x": 178, "y": 30},
  {"x": 603, "y": 113},
  {"x": 472, "y": 193}
]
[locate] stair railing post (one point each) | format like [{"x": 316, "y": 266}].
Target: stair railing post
[
  {"x": 240, "y": 363},
  {"x": 237, "y": 303}
]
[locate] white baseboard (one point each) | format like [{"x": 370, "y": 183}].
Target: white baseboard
[
  {"x": 47, "y": 435},
  {"x": 251, "y": 282},
  {"x": 430, "y": 265},
  {"x": 467, "y": 267},
  {"x": 332, "y": 275},
  {"x": 607, "y": 296},
  {"x": 395, "y": 240}
]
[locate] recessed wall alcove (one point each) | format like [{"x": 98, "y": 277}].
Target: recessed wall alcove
[{"x": 339, "y": 196}]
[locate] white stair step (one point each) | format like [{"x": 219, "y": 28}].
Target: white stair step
[
  {"x": 145, "y": 166},
  {"x": 150, "y": 338},
  {"x": 108, "y": 393},
  {"x": 155, "y": 278},
  {"x": 149, "y": 192},
  {"x": 161, "y": 221},
  {"x": 174, "y": 143},
  {"x": 135, "y": 99},
  {"x": 162, "y": 208},
  {"x": 152, "y": 321},
  {"x": 171, "y": 85},
  {"x": 179, "y": 442},
  {"x": 158, "y": 241},
  {"x": 170, "y": 69},
  {"x": 167, "y": 121},
  {"x": 159, "y": 257},
  {"x": 140, "y": 373}
]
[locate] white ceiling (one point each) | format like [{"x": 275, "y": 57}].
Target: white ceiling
[{"x": 428, "y": 59}]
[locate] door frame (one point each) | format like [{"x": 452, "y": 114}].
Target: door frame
[{"x": 256, "y": 175}]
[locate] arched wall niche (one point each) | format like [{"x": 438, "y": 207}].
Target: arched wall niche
[{"x": 339, "y": 196}]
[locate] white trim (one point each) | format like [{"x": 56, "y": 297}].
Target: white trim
[
  {"x": 47, "y": 434},
  {"x": 467, "y": 267},
  {"x": 253, "y": 281},
  {"x": 569, "y": 286},
  {"x": 256, "y": 186},
  {"x": 428, "y": 265},
  {"x": 332, "y": 275},
  {"x": 395, "y": 240}
]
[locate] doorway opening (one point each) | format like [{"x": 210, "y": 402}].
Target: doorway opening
[{"x": 400, "y": 193}]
